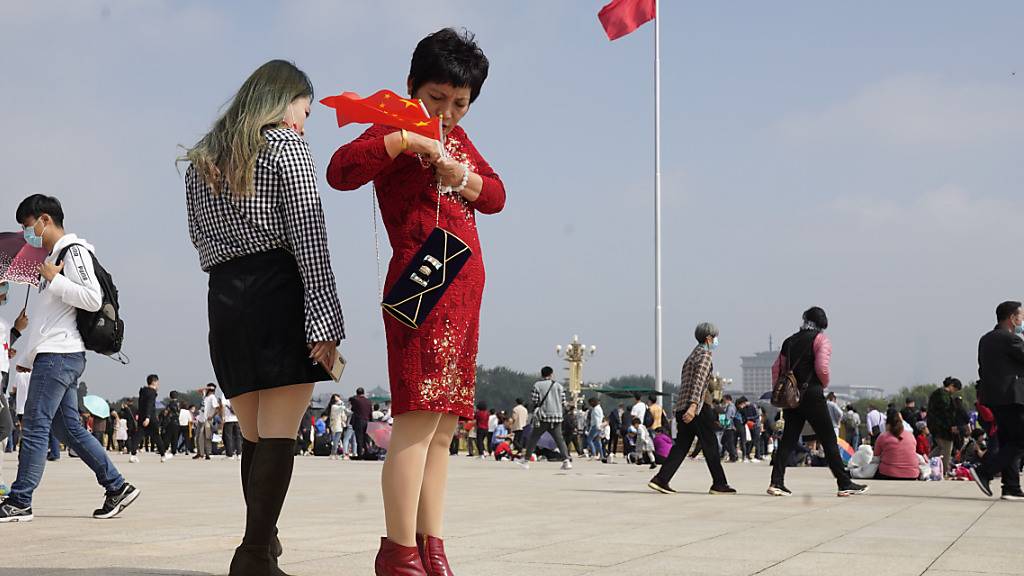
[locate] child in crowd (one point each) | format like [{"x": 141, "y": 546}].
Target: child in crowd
[
  {"x": 644, "y": 444},
  {"x": 924, "y": 446}
]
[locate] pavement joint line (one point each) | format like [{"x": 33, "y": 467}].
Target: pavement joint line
[
  {"x": 833, "y": 539},
  {"x": 957, "y": 539}
]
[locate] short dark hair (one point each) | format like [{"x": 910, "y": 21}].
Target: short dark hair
[
  {"x": 546, "y": 372},
  {"x": 211, "y": 385},
  {"x": 727, "y": 397},
  {"x": 151, "y": 378},
  {"x": 817, "y": 315},
  {"x": 652, "y": 398},
  {"x": 38, "y": 204},
  {"x": 174, "y": 394},
  {"x": 449, "y": 56},
  {"x": 360, "y": 391},
  {"x": 481, "y": 406},
  {"x": 519, "y": 400},
  {"x": 831, "y": 396},
  {"x": 910, "y": 401},
  {"x": 954, "y": 382},
  {"x": 1003, "y": 311}
]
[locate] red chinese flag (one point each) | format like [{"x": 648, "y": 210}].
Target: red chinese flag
[
  {"x": 385, "y": 108},
  {"x": 620, "y": 17}
]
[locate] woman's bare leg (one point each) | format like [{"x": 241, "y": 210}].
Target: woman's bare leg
[
  {"x": 402, "y": 477},
  {"x": 430, "y": 514}
]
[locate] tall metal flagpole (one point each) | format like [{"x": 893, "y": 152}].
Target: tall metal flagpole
[{"x": 657, "y": 198}]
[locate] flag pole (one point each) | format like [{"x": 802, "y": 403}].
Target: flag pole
[{"x": 657, "y": 199}]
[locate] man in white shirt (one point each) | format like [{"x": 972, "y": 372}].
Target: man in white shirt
[
  {"x": 639, "y": 409},
  {"x": 54, "y": 352},
  {"x": 875, "y": 422},
  {"x": 520, "y": 416},
  {"x": 231, "y": 432},
  {"x": 204, "y": 432},
  {"x": 7, "y": 337},
  {"x": 184, "y": 429}
]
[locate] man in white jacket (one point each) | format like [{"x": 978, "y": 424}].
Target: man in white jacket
[{"x": 53, "y": 351}]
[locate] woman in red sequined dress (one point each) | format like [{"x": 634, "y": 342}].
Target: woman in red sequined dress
[{"x": 432, "y": 368}]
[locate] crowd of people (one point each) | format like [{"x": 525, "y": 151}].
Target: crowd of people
[{"x": 257, "y": 223}]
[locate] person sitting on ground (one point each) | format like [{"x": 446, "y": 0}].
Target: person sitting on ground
[
  {"x": 644, "y": 444},
  {"x": 924, "y": 447},
  {"x": 896, "y": 451},
  {"x": 974, "y": 451},
  {"x": 662, "y": 446}
]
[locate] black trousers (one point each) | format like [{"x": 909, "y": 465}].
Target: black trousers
[
  {"x": 1010, "y": 425},
  {"x": 359, "y": 427},
  {"x": 814, "y": 411},
  {"x": 171, "y": 437},
  {"x": 613, "y": 441},
  {"x": 481, "y": 435},
  {"x": 232, "y": 439},
  {"x": 729, "y": 444},
  {"x": 701, "y": 429},
  {"x": 518, "y": 439},
  {"x": 152, "y": 432}
]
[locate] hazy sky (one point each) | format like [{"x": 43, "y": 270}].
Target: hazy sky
[{"x": 863, "y": 156}]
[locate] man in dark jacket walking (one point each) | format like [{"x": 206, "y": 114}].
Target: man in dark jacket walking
[
  {"x": 1001, "y": 388},
  {"x": 942, "y": 420}
]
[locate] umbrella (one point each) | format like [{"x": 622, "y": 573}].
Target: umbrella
[
  {"x": 380, "y": 433},
  {"x": 19, "y": 262},
  {"x": 845, "y": 450},
  {"x": 97, "y": 406}
]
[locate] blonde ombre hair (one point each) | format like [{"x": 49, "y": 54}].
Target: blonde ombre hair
[{"x": 226, "y": 155}]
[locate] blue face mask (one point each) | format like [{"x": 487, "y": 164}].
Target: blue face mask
[
  {"x": 1018, "y": 330},
  {"x": 714, "y": 343},
  {"x": 31, "y": 238}
]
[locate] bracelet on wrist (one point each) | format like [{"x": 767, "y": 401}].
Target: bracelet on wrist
[
  {"x": 405, "y": 140},
  {"x": 465, "y": 180}
]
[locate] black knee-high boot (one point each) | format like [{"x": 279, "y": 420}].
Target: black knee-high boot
[
  {"x": 248, "y": 451},
  {"x": 270, "y": 474}
]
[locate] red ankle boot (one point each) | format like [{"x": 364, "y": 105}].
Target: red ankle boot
[
  {"x": 432, "y": 555},
  {"x": 395, "y": 560}
]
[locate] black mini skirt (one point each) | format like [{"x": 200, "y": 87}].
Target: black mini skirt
[{"x": 257, "y": 324}]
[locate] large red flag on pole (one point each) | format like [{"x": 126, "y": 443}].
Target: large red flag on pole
[{"x": 620, "y": 17}]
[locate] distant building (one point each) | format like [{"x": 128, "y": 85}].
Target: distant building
[
  {"x": 757, "y": 373},
  {"x": 854, "y": 393}
]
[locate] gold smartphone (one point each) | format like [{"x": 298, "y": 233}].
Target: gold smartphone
[{"x": 338, "y": 368}]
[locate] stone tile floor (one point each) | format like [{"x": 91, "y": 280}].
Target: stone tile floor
[{"x": 595, "y": 520}]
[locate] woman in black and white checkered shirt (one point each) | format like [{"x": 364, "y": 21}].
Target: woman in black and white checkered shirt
[{"x": 255, "y": 217}]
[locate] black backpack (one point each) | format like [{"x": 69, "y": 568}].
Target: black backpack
[{"x": 102, "y": 331}]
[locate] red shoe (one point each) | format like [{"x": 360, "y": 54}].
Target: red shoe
[
  {"x": 432, "y": 555},
  {"x": 395, "y": 560}
]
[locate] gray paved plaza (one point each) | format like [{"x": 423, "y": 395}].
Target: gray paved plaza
[{"x": 596, "y": 519}]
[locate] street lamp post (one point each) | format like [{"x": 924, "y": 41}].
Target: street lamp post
[{"x": 575, "y": 354}]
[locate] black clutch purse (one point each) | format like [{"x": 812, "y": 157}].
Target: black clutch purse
[{"x": 426, "y": 278}]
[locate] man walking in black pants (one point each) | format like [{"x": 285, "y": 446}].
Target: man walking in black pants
[
  {"x": 149, "y": 422},
  {"x": 361, "y": 413},
  {"x": 171, "y": 426},
  {"x": 1001, "y": 388},
  {"x": 694, "y": 417}
]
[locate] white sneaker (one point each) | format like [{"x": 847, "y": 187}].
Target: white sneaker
[
  {"x": 566, "y": 465},
  {"x": 168, "y": 456},
  {"x": 133, "y": 459},
  {"x": 523, "y": 463}
]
